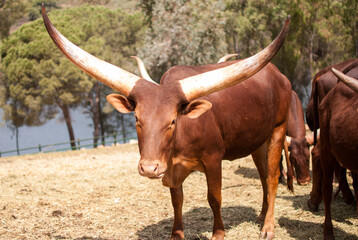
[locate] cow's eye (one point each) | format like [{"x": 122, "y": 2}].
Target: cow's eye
[{"x": 173, "y": 122}]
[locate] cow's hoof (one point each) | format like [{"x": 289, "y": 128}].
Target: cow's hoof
[
  {"x": 178, "y": 235},
  {"x": 267, "y": 231},
  {"x": 267, "y": 235},
  {"x": 328, "y": 230},
  {"x": 219, "y": 235},
  {"x": 312, "y": 206}
]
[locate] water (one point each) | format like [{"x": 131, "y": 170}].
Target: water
[{"x": 54, "y": 131}]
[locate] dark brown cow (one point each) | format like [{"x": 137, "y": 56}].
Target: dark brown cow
[
  {"x": 322, "y": 83},
  {"x": 297, "y": 142},
  {"x": 198, "y": 116},
  {"x": 338, "y": 114}
]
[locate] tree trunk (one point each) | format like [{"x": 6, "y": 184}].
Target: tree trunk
[
  {"x": 95, "y": 115},
  {"x": 100, "y": 115},
  {"x": 236, "y": 43},
  {"x": 356, "y": 34},
  {"x": 17, "y": 140},
  {"x": 66, "y": 114},
  {"x": 123, "y": 129}
]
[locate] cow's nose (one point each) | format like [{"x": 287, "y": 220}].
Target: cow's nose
[{"x": 149, "y": 169}]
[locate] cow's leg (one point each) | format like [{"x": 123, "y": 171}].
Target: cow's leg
[
  {"x": 270, "y": 168},
  {"x": 213, "y": 174},
  {"x": 177, "y": 202},
  {"x": 355, "y": 187},
  {"x": 316, "y": 193},
  {"x": 341, "y": 174},
  {"x": 260, "y": 160},
  {"x": 282, "y": 172},
  {"x": 327, "y": 165}
]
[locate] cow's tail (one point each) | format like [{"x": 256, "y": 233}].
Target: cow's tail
[
  {"x": 289, "y": 167},
  {"x": 315, "y": 110}
]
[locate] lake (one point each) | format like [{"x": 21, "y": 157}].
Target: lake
[{"x": 54, "y": 131}]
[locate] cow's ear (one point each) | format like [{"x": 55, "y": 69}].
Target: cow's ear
[
  {"x": 121, "y": 103},
  {"x": 195, "y": 108}
]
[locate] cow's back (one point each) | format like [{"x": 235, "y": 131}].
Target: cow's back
[
  {"x": 339, "y": 113},
  {"x": 242, "y": 117}
]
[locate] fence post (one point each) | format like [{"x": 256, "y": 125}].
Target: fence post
[
  {"x": 115, "y": 139},
  {"x": 78, "y": 144},
  {"x": 40, "y": 149}
]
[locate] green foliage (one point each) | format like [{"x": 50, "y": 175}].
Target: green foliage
[
  {"x": 39, "y": 78},
  {"x": 184, "y": 32},
  {"x": 34, "y": 11},
  {"x": 321, "y": 33},
  {"x": 10, "y": 12}
]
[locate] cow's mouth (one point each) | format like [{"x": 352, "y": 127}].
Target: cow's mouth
[{"x": 160, "y": 176}]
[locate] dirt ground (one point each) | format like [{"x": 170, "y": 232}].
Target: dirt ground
[{"x": 98, "y": 194}]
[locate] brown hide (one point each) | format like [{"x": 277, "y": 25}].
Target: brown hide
[
  {"x": 299, "y": 149},
  {"x": 243, "y": 115},
  {"x": 322, "y": 83},
  {"x": 338, "y": 114}
]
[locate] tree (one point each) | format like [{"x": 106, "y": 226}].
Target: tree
[
  {"x": 34, "y": 11},
  {"x": 183, "y": 32},
  {"x": 40, "y": 80},
  {"x": 10, "y": 12},
  {"x": 321, "y": 33}
]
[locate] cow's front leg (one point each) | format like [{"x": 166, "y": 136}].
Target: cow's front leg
[
  {"x": 213, "y": 178},
  {"x": 177, "y": 202},
  {"x": 316, "y": 192}
]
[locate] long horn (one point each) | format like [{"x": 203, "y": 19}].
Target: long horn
[
  {"x": 347, "y": 80},
  {"x": 103, "y": 71},
  {"x": 226, "y": 57},
  {"x": 203, "y": 84},
  {"x": 142, "y": 69}
]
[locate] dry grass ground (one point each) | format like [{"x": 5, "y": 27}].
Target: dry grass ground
[{"x": 98, "y": 194}]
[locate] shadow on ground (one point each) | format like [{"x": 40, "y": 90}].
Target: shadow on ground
[
  {"x": 339, "y": 209},
  {"x": 80, "y": 238},
  {"x": 197, "y": 222},
  {"x": 308, "y": 230},
  {"x": 247, "y": 172}
]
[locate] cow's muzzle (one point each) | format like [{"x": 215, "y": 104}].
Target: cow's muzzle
[{"x": 151, "y": 168}]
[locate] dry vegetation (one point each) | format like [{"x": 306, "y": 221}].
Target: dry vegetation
[{"x": 98, "y": 194}]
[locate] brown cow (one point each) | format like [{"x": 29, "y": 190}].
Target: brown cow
[
  {"x": 322, "y": 83},
  {"x": 338, "y": 114},
  {"x": 199, "y": 115},
  {"x": 294, "y": 129},
  {"x": 297, "y": 142}
]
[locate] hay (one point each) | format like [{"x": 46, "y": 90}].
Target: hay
[{"x": 98, "y": 194}]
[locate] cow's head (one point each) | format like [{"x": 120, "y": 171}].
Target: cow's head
[
  {"x": 158, "y": 106},
  {"x": 299, "y": 157}
]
